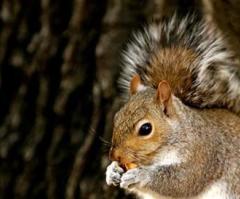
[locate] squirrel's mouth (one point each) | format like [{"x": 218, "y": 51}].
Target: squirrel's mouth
[
  {"x": 131, "y": 166},
  {"x": 128, "y": 166}
]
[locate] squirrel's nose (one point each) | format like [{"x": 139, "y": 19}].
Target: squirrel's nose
[{"x": 114, "y": 155}]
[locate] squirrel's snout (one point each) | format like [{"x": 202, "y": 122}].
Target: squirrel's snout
[{"x": 114, "y": 155}]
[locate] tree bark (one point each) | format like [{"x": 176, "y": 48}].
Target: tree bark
[{"x": 58, "y": 93}]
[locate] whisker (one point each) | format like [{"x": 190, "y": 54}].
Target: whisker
[
  {"x": 138, "y": 157},
  {"x": 105, "y": 142}
]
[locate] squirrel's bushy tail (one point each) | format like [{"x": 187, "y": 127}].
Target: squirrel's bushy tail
[{"x": 192, "y": 55}]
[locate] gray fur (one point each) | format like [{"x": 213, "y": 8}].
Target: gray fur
[
  {"x": 215, "y": 71},
  {"x": 209, "y": 142}
]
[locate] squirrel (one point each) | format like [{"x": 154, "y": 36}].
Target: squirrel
[{"x": 178, "y": 133}]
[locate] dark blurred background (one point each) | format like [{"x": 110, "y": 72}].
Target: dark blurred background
[{"x": 59, "y": 62}]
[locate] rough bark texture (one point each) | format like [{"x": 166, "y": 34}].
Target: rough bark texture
[{"x": 59, "y": 64}]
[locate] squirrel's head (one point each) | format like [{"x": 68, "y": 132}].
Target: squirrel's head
[{"x": 143, "y": 125}]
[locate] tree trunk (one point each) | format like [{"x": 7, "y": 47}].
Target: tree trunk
[{"x": 59, "y": 64}]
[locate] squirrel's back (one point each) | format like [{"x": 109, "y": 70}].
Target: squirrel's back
[{"x": 191, "y": 54}]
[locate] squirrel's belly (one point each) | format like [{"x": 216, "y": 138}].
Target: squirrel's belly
[
  {"x": 217, "y": 190},
  {"x": 143, "y": 194}
]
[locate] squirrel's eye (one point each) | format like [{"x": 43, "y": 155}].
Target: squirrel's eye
[{"x": 145, "y": 129}]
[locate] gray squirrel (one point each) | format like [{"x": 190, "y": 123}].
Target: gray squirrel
[{"x": 173, "y": 138}]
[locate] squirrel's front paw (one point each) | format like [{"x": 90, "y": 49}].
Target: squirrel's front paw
[
  {"x": 113, "y": 174},
  {"x": 137, "y": 177}
]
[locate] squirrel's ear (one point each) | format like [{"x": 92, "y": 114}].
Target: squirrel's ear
[
  {"x": 136, "y": 85},
  {"x": 164, "y": 96}
]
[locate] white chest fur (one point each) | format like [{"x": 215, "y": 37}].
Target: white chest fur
[
  {"x": 217, "y": 190},
  {"x": 168, "y": 157}
]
